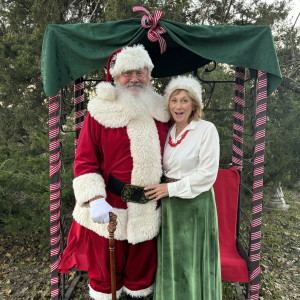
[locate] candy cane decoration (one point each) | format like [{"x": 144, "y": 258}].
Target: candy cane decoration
[
  {"x": 55, "y": 163},
  {"x": 260, "y": 130},
  {"x": 238, "y": 125},
  {"x": 79, "y": 111}
]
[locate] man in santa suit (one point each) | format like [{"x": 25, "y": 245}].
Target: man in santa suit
[{"x": 120, "y": 147}]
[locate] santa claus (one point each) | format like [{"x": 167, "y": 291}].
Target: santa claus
[{"x": 119, "y": 152}]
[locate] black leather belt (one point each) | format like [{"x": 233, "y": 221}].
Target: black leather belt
[{"x": 127, "y": 192}]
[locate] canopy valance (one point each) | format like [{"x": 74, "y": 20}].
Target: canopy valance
[{"x": 73, "y": 50}]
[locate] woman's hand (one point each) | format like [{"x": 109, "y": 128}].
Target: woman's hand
[{"x": 156, "y": 192}]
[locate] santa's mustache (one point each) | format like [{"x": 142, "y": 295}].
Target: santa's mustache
[{"x": 138, "y": 84}]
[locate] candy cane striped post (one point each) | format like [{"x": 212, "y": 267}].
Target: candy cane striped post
[
  {"x": 238, "y": 123},
  {"x": 238, "y": 129},
  {"x": 260, "y": 130},
  {"x": 55, "y": 164},
  {"x": 79, "y": 111}
]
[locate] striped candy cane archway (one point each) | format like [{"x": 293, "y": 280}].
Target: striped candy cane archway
[
  {"x": 237, "y": 160},
  {"x": 238, "y": 125},
  {"x": 79, "y": 111},
  {"x": 55, "y": 164},
  {"x": 260, "y": 130},
  {"x": 55, "y": 182},
  {"x": 238, "y": 129}
]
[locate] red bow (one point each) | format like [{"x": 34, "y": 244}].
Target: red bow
[{"x": 154, "y": 33}]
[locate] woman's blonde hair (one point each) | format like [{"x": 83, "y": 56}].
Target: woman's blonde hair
[{"x": 197, "y": 112}]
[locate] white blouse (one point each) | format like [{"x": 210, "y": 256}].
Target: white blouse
[{"x": 194, "y": 161}]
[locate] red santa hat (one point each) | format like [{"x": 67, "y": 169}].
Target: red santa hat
[
  {"x": 121, "y": 60},
  {"x": 128, "y": 58}
]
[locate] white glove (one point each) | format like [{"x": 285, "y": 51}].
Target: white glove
[{"x": 99, "y": 210}]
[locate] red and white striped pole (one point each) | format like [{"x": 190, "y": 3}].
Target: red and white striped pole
[
  {"x": 238, "y": 129},
  {"x": 79, "y": 111},
  {"x": 259, "y": 150},
  {"x": 55, "y": 164},
  {"x": 238, "y": 123}
]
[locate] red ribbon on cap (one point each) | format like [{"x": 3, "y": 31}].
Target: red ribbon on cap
[{"x": 154, "y": 33}]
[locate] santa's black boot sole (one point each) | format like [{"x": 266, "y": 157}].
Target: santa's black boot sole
[{"x": 128, "y": 297}]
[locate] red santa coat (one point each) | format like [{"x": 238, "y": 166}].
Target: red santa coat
[{"x": 129, "y": 146}]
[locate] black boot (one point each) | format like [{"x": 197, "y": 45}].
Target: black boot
[{"x": 128, "y": 297}]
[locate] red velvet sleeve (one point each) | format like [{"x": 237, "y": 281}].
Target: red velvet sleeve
[{"x": 87, "y": 158}]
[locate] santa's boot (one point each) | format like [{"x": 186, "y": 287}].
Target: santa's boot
[{"x": 128, "y": 297}]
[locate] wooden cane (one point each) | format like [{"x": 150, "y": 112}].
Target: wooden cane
[{"x": 111, "y": 229}]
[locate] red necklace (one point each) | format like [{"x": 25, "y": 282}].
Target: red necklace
[{"x": 179, "y": 141}]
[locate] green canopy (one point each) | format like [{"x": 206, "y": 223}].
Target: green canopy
[{"x": 71, "y": 51}]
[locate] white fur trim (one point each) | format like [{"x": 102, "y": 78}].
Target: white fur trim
[
  {"x": 140, "y": 222},
  {"x": 131, "y": 58},
  {"x": 140, "y": 293},
  {"x": 146, "y": 170},
  {"x": 145, "y": 151},
  {"x": 158, "y": 109},
  {"x": 88, "y": 186},
  {"x": 143, "y": 222},
  {"x": 82, "y": 216},
  {"x": 102, "y": 296},
  {"x": 188, "y": 83},
  {"x": 109, "y": 114},
  {"x": 106, "y": 91}
]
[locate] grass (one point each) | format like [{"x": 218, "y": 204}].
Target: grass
[
  {"x": 25, "y": 268},
  {"x": 280, "y": 278}
]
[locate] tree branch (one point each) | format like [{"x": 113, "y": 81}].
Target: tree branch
[
  {"x": 294, "y": 86},
  {"x": 228, "y": 10},
  {"x": 89, "y": 19},
  {"x": 296, "y": 21}
]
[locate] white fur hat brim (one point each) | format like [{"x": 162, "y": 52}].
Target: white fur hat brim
[
  {"x": 131, "y": 58},
  {"x": 188, "y": 83}
]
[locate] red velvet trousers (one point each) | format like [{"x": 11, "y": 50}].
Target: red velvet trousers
[{"x": 135, "y": 264}]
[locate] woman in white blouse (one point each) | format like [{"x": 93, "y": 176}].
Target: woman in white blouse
[{"x": 188, "y": 247}]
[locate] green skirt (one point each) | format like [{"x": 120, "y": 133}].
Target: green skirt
[{"x": 188, "y": 250}]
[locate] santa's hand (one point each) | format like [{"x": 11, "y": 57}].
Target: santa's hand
[{"x": 99, "y": 210}]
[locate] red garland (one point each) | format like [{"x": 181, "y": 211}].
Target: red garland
[{"x": 179, "y": 141}]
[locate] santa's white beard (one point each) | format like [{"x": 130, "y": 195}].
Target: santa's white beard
[{"x": 135, "y": 99}]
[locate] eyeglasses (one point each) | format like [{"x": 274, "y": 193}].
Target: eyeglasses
[{"x": 139, "y": 74}]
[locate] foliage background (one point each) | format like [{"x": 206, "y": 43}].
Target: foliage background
[{"x": 24, "y": 156}]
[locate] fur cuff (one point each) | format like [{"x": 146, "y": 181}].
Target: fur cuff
[
  {"x": 140, "y": 293},
  {"x": 106, "y": 91},
  {"x": 81, "y": 215},
  {"x": 88, "y": 186},
  {"x": 102, "y": 296}
]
